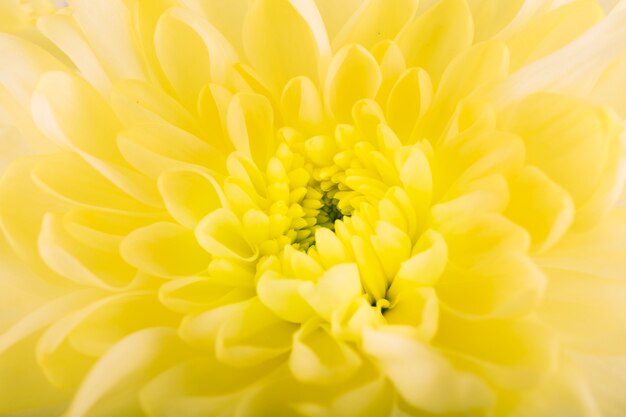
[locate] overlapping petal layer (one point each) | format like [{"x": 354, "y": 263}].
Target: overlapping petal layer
[{"x": 312, "y": 208}]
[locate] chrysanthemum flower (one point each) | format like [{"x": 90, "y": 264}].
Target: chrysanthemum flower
[{"x": 312, "y": 208}]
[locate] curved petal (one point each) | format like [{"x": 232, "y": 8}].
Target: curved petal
[
  {"x": 190, "y": 194},
  {"x": 374, "y": 21},
  {"x": 434, "y": 38},
  {"x": 124, "y": 370},
  {"x": 275, "y": 29},
  {"x": 423, "y": 377},
  {"x": 353, "y": 75},
  {"x": 165, "y": 249}
]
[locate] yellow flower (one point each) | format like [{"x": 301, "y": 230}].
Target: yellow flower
[{"x": 312, "y": 208}]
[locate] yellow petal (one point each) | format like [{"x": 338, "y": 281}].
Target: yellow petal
[
  {"x": 136, "y": 102},
  {"x": 302, "y": 104},
  {"x": 576, "y": 302},
  {"x": 335, "y": 290},
  {"x": 433, "y": 39},
  {"x": 477, "y": 68},
  {"x": 111, "y": 386},
  {"x": 65, "y": 33},
  {"x": 375, "y": 20},
  {"x": 283, "y": 297},
  {"x": 155, "y": 147},
  {"x": 424, "y": 267},
  {"x": 21, "y": 373},
  {"x": 196, "y": 294},
  {"x": 506, "y": 285},
  {"x": 190, "y": 194},
  {"x": 580, "y": 131},
  {"x": 409, "y": 98},
  {"x": 192, "y": 53},
  {"x": 512, "y": 354},
  {"x": 423, "y": 377},
  {"x": 69, "y": 178},
  {"x": 416, "y": 312},
  {"x": 353, "y": 75},
  {"x": 551, "y": 31},
  {"x": 318, "y": 357},
  {"x": 68, "y": 110},
  {"x": 541, "y": 207},
  {"x": 186, "y": 388},
  {"x": 250, "y": 126},
  {"x": 336, "y": 14},
  {"x": 69, "y": 348},
  {"x": 253, "y": 335},
  {"x": 221, "y": 234},
  {"x": 107, "y": 27},
  {"x": 165, "y": 249},
  {"x": 80, "y": 263},
  {"x": 277, "y": 29}
]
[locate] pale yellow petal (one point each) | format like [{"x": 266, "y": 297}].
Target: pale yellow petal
[
  {"x": 374, "y": 21},
  {"x": 434, "y": 38},
  {"x": 277, "y": 29},
  {"x": 165, "y": 249},
  {"x": 353, "y": 75}
]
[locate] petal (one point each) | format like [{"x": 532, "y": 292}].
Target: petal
[
  {"x": 584, "y": 134},
  {"x": 183, "y": 41},
  {"x": 302, "y": 104},
  {"x": 228, "y": 17},
  {"x": 190, "y": 389},
  {"x": 480, "y": 66},
  {"x": 69, "y": 111},
  {"x": 317, "y": 357},
  {"x": 22, "y": 375},
  {"x": 196, "y": 294},
  {"x": 423, "y": 377},
  {"x": 586, "y": 310},
  {"x": 375, "y": 20},
  {"x": 250, "y": 126},
  {"x": 23, "y": 207},
  {"x": 137, "y": 102},
  {"x": 409, "y": 98},
  {"x": 503, "y": 285},
  {"x": 66, "y": 35},
  {"x": 155, "y": 147},
  {"x": 434, "y": 38},
  {"x": 283, "y": 297},
  {"x": 551, "y": 31},
  {"x": 112, "y": 385},
  {"x": 69, "y": 348},
  {"x": 165, "y": 249},
  {"x": 80, "y": 263},
  {"x": 415, "y": 312},
  {"x": 335, "y": 290},
  {"x": 512, "y": 354},
  {"x": 335, "y": 15},
  {"x": 253, "y": 335},
  {"x": 190, "y": 194},
  {"x": 569, "y": 70},
  {"x": 71, "y": 179},
  {"x": 424, "y": 267},
  {"x": 107, "y": 27},
  {"x": 274, "y": 30},
  {"x": 222, "y": 235},
  {"x": 540, "y": 206},
  {"x": 353, "y": 75}
]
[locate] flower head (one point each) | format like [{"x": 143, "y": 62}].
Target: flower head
[{"x": 314, "y": 208}]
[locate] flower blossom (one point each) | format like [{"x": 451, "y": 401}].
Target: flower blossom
[{"x": 356, "y": 208}]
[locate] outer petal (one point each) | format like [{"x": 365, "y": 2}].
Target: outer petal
[
  {"x": 276, "y": 29},
  {"x": 424, "y": 378},
  {"x": 112, "y": 386}
]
